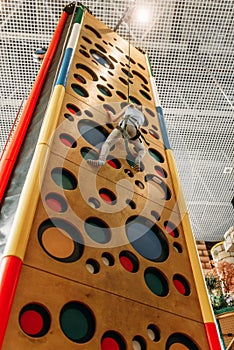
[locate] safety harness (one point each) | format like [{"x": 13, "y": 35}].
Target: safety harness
[{"x": 122, "y": 127}]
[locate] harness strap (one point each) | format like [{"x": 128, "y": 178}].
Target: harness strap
[{"x": 138, "y": 134}]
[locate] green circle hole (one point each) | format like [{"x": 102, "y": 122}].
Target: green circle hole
[{"x": 77, "y": 322}]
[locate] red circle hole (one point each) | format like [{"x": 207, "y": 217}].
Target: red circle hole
[
  {"x": 34, "y": 320},
  {"x": 110, "y": 344},
  {"x": 112, "y": 340},
  {"x": 181, "y": 285},
  {"x": 108, "y": 196},
  {"x": 129, "y": 261},
  {"x": 56, "y": 202},
  {"x": 31, "y": 322},
  {"x": 126, "y": 263},
  {"x": 68, "y": 140}
]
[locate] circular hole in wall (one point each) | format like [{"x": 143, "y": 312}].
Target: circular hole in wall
[
  {"x": 112, "y": 340},
  {"x": 92, "y": 266},
  {"x": 154, "y": 134},
  {"x": 179, "y": 341},
  {"x": 155, "y": 215},
  {"x": 110, "y": 86},
  {"x": 140, "y": 76},
  {"x": 171, "y": 229},
  {"x": 87, "y": 72},
  {"x": 140, "y": 65},
  {"x": 134, "y": 100},
  {"x": 101, "y": 98},
  {"x": 124, "y": 81},
  {"x": 94, "y": 202},
  {"x": 131, "y": 203},
  {"x": 84, "y": 53},
  {"x": 92, "y": 132},
  {"x": 147, "y": 239},
  {"x": 128, "y": 172},
  {"x": 121, "y": 95},
  {"x": 69, "y": 117},
  {"x": 109, "y": 108},
  {"x": 156, "y": 155},
  {"x": 138, "y": 343},
  {"x": 93, "y": 30},
  {"x": 60, "y": 240},
  {"x": 102, "y": 59},
  {"x": 80, "y": 90},
  {"x": 156, "y": 281},
  {"x": 119, "y": 49},
  {"x": 139, "y": 184},
  {"x": 108, "y": 196},
  {"x": 113, "y": 59},
  {"x": 114, "y": 163},
  {"x": 56, "y": 202},
  {"x": 73, "y": 109},
  {"x": 88, "y": 153},
  {"x": 177, "y": 247},
  {"x": 97, "y": 230},
  {"x": 34, "y": 320},
  {"x": 100, "y": 48},
  {"x": 162, "y": 189},
  {"x": 150, "y": 112},
  {"x": 130, "y": 59},
  {"x": 68, "y": 140},
  {"x": 153, "y": 332},
  {"x": 64, "y": 178},
  {"x": 145, "y": 95},
  {"x": 87, "y": 39},
  {"x": 83, "y": 47},
  {"x": 181, "y": 284},
  {"x": 155, "y": 127},
  {"x": 79, "y": 78},
  {"x": 129, "y": 261},
  {"x": 77, "y": 322},
  {"x": 88, "y": 113},
  {"x": 160, "y": 171},
  {"x": 108, "y": 259},
  {"x": 103, "y": 89},
  {"x": 145, "y": 87},
  {"x": 126, "y": 72}
]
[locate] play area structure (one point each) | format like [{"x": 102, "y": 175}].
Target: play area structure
[{"x": 97, "y": 257}]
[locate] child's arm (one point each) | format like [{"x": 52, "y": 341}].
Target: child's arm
[{"x": 115, "y": 117}]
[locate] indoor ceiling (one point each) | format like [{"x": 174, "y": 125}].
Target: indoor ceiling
[{"x": 190, "y": 45}]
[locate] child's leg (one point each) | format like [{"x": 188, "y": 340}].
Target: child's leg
[
  {"x": 114, "y": 136},
  {"x": 140, "y": 148}
]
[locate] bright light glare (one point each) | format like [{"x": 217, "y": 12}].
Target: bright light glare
[{"x": 142, "y": 14}]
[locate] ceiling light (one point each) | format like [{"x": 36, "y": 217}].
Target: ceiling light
[
  {"x": 227, "y": 170},
  {"x": 142, "y": 14}
]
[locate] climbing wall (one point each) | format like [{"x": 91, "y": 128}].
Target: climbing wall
[{"x": 107, "y": 264}]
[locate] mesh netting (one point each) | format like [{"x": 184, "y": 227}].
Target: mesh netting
[{"x": 190, "y": 45}]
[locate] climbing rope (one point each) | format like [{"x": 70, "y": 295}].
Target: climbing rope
[{"x": 129, "y": 59}]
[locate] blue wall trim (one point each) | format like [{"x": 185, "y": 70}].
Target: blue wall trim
[
  {"x": 163, "y": 127},
  {"x": 65, "y": 67}
]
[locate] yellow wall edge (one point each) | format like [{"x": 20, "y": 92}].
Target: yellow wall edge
[
  {"x": 20, "y": 231},
  {"x": 176, "y": 182},
  {"x": 206, "y": 309}
]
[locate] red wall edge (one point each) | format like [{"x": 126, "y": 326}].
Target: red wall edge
[
  {"x": 9, "y": 275},
  {"x": 10, "y": 155}
]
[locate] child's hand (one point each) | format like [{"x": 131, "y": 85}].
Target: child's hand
[{"x": 109, "y": 114}]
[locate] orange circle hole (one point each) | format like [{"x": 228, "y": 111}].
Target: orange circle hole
[{"x": 57, "y": 243}]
